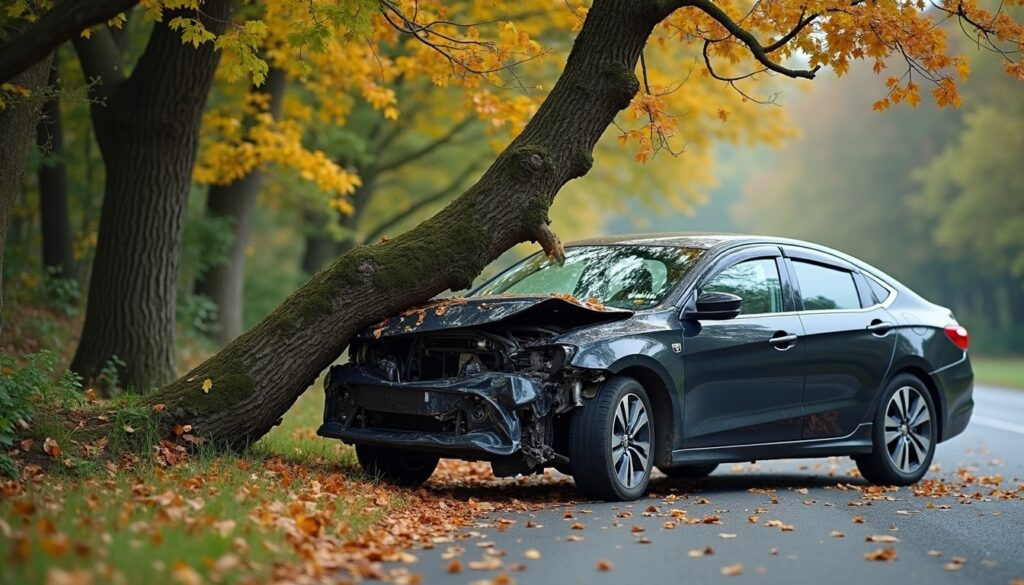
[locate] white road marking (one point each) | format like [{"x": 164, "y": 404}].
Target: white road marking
[{"x": 995, "y": 423}]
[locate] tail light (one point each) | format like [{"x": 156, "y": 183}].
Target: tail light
[{"x": 958, "y": 335}]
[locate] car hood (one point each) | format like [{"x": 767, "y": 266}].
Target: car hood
[{"x": 455, "y": 313}]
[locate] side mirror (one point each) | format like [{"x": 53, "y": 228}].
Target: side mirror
[{"x": 714, "y": 306}]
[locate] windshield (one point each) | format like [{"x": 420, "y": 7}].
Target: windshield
[{"x": 625, "y": 277}]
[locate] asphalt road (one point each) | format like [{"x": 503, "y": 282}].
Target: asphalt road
[{"x": 980, "y": 536}]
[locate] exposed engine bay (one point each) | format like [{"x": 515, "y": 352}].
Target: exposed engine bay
[{"x": 495, "y": 386}]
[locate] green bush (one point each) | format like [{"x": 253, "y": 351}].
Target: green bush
[{"x": 23, "y": 389}]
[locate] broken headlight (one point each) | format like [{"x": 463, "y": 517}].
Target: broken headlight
[{"x": 547, "y": 359}]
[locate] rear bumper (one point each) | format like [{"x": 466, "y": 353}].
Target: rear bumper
[
  {"x": 956, "y": 383},
  {"x": 473, "y": 417}
]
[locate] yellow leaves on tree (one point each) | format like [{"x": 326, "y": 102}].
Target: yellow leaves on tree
[{"x": 230, "y": 152}]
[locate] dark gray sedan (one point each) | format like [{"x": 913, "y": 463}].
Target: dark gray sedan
[{"x": 680, "y": 351}]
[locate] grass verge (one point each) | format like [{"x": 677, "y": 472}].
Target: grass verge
[
  {"x": 211, "y": 517},
  {"x": 1007, "y": 372}
]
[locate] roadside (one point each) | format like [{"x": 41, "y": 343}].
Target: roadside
[{"x": 1007, "y": 372}]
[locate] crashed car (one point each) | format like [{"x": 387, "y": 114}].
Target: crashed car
[{"x": 671, "y": 351}]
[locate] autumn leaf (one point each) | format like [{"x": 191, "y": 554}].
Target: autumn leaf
[
  {"x": 159, "y": 407},
  {"x": 881, "y": 538},
  {"x": 51, "y": 448},
  {"x": 886, "y": 554},
  {"x": 732, "y": 570},
  {"x": 604, "y": 565},
  {"x": 207, "y": 386},
  {"x": 532, "y": 554}
]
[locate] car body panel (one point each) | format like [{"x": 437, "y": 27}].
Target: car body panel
[{"x": 459, "y": 313}]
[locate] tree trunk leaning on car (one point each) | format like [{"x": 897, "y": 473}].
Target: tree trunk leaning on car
[{"x": 239, "y": 394}]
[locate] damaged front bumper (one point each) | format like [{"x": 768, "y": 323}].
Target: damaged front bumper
[{"x": 473, "y": 417}]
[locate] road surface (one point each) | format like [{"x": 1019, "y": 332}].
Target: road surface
[{"x": 966, "y": 536}]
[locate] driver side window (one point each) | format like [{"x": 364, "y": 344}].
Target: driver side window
[{"x": 757, "y": 282}]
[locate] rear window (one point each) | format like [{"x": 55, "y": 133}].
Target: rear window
[
  {"x": 823, "y": 288},
  {"x": 877, "y": 290}
]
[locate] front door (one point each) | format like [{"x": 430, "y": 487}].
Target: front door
[{"x": 744, "y": 377}]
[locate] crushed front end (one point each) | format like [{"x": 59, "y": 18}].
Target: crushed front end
[{"x": 472, "y": 388}]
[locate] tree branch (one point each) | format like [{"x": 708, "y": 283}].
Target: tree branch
[
  {"x": 64, "y": 21},
  {"x": 758, "y": 51},
  {"x": 101, "y": 60},
  {"x": 391, "y": 165},
  {"x": 434, "y": 197}
]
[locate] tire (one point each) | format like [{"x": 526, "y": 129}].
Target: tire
[
  {"x": 689, "y": 471},
  {"x": 400, "y": 467},
  {"x": 613, "y": 469},
  {"x": 903, "y": 435}
]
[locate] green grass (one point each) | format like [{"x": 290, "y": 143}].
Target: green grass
[
  {"x": 1007, "y": 372},
  {"x": 142, "y": 523}
]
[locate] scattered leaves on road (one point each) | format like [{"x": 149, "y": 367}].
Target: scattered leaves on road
[
  {"x": 886, "y": 554},
  {"x": 732, "y": 570}
]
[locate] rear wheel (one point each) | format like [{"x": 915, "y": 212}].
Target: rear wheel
[
  {"x": 903, "y": 435},
  {"x": 611, "y": 441},
  {"x": 397, "y": 466},
  {"x": 689, "y": 471}
]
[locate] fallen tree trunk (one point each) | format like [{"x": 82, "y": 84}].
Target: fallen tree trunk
[{"x": 256, "y": 378}]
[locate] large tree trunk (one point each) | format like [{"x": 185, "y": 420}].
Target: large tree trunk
[
  {"x": 225, "y": 282},
  {"x": 258, "y": 376},
  {"x": 17, "y": 122},
  {"x": 58, "y": 257},
  {"x": 148, "y": 133},
  {"x": 318, "y": 248}
]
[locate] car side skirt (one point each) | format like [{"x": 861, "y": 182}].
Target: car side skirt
[{"x": 856, "y": 443}]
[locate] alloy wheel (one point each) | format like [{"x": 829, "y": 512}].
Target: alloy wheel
[
  {"x": 631, "y": 441},
  {"x": 908, "y": 429}
]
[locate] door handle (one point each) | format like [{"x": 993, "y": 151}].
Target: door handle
[
  {"x": 782, "y": 340},
  {"x": 879, "y": 327}
]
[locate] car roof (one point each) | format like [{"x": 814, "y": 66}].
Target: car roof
[{"x": 701, "y": 240}]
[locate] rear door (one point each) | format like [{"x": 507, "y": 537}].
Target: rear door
[
  {"x": 849, "y": 339},
  {"x": 743, "y": 378}
]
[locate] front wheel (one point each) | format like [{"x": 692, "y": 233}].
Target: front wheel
[
  {"x": 401, "y": 467},
  {"x": 903, "y": 435},
  {"x": 611, "y": 442}
]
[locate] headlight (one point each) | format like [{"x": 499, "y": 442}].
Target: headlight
[{"x": 548, "y": 359}]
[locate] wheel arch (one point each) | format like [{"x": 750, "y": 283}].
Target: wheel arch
[{"x": 657, "y": 383}]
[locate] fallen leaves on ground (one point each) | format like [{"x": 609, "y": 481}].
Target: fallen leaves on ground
[
  {"x": 881, "y": 554},
  {"x": 732, "y": 570},
  {"x": 603, "y": 565}
]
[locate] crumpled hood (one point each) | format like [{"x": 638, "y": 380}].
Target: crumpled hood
[{"x": 454, "y": 313}]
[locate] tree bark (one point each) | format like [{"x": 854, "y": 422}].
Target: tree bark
[
  {"x": 58, "y": 257},
  {"x": 17, "y": 122},
  {"x": 258, "y": 376},
  {"x": 148, "y": 133},
  {"x": 224, "y": 283},
  {"x": 318, "y": 248}
]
